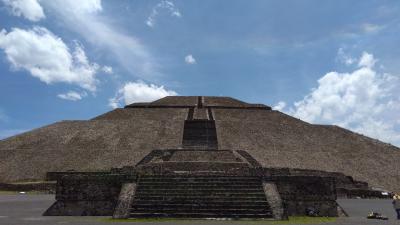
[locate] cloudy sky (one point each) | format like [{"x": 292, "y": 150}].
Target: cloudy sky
[{"x": 331, "y": 62}]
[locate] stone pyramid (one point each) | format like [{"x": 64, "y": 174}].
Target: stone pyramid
[{"x": 123, "y": 137}]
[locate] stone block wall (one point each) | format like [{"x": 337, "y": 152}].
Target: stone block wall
[
  {"x": 88, "y": 194},
  {"x": 346, "y": 186},
  {"x": 301, "y": 192}
]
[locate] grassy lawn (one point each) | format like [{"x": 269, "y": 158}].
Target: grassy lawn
[{"x": 292, "y": 220}]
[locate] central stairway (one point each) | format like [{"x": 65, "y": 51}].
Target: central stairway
[
  {"x": 200, "y": 134},
  {"x": 200, "y": 197}
]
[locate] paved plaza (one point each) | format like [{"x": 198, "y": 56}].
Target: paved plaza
[{"x": 27, "y": 210}]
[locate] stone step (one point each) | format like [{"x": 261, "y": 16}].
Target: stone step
[
  {"x": 201, "y": 201},
  {"x": 200, "y": 191},
  {"x": 196, "y": 130},
  {"x": 204, "y": 210},
  {"x": 144, "y": 196},
  {"x": 200, "y": 133},
  {"x": 199, "y": 140},
  {"x": 202, "y": 196},
  {"x": 181, "y": 183},
  {"x": 202, "y": 147},
  {"x": 204, "y": 189},
  {"x": 200, "y": 144},
  {"x": 201, "y": 136},
  {"x": 200, "y": 123},
  {"x": 200, "y": 215},
  {"x": 199, "y": 178},
  {"x": 199, "y": 195},
  {"x": 222, "y": 209},
  {"x": 198, "y": 198},
  {"x": 163, "y": 205},
  {"x": 201, "y": 183},
  {"x": 206, "y": 143},
  {"x": 200, "y": 187}
]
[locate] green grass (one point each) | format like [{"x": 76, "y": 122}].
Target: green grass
[{"x": 292, "y": 220}]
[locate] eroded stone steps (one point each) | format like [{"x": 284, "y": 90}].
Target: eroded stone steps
[
  {"x": 200, "y": 194},
  {"x": 201, "y": 210},
  {"x": 196, "y": 183},
  {"x": 198, "y": 179},
  {"x": 195, "y": 206},
  {"x": 210, "y": 200},
  {"x": 203, "y": 189},
  {"x": 200, "y": 134},
  {"x": 196, "y": 203},
  {"x": 201, "y": 143},
  {"x": 199, "y": 197},
  {"x": 177, "y": 185},
  {"x": 201, "y": 215}
]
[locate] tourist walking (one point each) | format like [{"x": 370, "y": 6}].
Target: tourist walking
[{"x": 396, "y": 205}]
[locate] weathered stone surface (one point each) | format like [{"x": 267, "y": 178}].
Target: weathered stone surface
[
  {"x": 200, "y": 197},
  {"x": 278, "y": 140},
  {"x": 86, "y": 195},
  {"x": 301, "y": 192},
  {"x": 93, "y": 145},
  {"x": 88, "y": 189},
  {"x": 122, "y": 137},
  {"x": 194, "y": 132},
  {"x": 125, "y": 200},
  {"x": 274, "y": 200}
]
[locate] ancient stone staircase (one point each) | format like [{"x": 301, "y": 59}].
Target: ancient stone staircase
[
  {"x": 200, "y": 197},
  {"x": 200, "y": 134},
  {"x": 197, "y": 181}
]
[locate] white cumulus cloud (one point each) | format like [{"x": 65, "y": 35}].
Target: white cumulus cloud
[
  {"x": 46, "y": 57},
  {"x": 30, "y": 9},
  {"x": 367, "y": 60},
  {"x": 364, "y": 100},
  {"x": 371, "y": 28},
  {"x": 107, "y": 69},
  {"x": 168, "y": 6},
  {"x": 86, "y": 18},
  {"x": 72, "y": 96},
  {"x": 279, "y": 106},
  {"x": 345, "y": 58},
  {"x": 189, "y": 59},
  {"x": 139, "y": 91}
]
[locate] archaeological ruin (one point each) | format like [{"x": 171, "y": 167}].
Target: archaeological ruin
[{"x": 200, "y": 157}]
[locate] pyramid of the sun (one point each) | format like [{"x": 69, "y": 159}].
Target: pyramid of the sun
[{"x": 122, "y": 137}]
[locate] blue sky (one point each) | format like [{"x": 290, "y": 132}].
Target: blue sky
[{"x": 329, "y": 62}]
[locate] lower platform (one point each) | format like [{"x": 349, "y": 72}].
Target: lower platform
[{"x": 193, "y": 184}]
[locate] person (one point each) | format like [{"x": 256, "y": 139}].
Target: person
[{"x": 396, "y": 205}]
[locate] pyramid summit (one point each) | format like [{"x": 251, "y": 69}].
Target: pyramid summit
[{"x": 213, "y": 139}]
